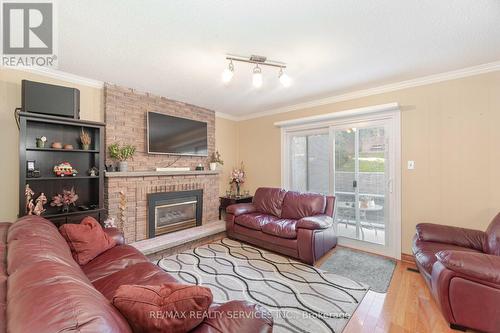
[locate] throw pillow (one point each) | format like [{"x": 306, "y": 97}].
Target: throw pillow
[
  {"x": 170, "y": 307},
  {"x": 86, "y": 240}
]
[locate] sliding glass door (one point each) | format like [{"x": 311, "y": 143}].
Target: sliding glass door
[
  {"x": 309, "y": 161},
  {"x": 357, "y": 160},
  {"x": 360, "y": 181}
]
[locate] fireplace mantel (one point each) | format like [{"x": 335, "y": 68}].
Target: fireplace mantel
[{"x": 159, "y": 173}]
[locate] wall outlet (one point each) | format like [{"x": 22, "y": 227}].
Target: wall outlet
[{"x": 411, "y": 165}]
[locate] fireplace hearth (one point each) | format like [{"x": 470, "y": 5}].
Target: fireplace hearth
[{"x": 173, "y": 211}]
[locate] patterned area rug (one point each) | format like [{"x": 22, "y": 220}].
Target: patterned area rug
[{"x": 301, "y": 298}]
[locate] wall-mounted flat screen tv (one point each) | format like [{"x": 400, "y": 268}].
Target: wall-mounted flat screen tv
[{"x": 176, "y": 136}]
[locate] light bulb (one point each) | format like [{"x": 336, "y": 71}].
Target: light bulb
[
  {"x": 228, "y": 73},
  {"x": 285, "y": 80},
  {"x": 257, "y": 77}
]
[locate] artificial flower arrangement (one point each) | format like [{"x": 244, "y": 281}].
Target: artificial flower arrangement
[
  {"x": 64, "y": 200},
  {"x": 238, "y": 178}
]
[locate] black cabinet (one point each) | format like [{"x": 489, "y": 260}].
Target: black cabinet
[{"x": 90, "y": 188}]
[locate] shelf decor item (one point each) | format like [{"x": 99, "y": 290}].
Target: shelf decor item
[
  {"x": 68, "y": 147},
  {"x": 28, "y": 194},
  {"x": 64, "y": 200},
  {"x": 215, "y": 159},
  {"x": 65, "y": 169},
  {"x": 121, "y": 154},
  {"x": 237, "y": 178},
  {"x": 56, "y": 145},
  {"x": 40, "y": 142},
  {"x": 85, "y": 139},
  {"x": 40, "y": 201}
]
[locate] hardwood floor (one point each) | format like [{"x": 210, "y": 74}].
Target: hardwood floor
[{"x": 407, "y": 306}]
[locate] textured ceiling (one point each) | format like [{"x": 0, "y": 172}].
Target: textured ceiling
[{"x": 177, "y": 48}]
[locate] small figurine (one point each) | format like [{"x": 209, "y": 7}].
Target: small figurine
[
  {"x": 65, "y": 169},
  {"x": 40, "y": 201},
  {"x": 93, "y": 172},
  {"x": 110, "y": 222},
  {"x": 28, "y": 193},
  {"x": 30, "y": 207}
]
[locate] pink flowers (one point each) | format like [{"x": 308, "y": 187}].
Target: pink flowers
[
  {"x": 237, "y": 176},
  {"x": 67, "y": 198}
]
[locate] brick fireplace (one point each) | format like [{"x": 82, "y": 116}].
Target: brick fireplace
[{"x": 126, "y": 194}]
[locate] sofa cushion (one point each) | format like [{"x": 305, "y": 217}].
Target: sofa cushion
[
  {"x": 86, "y": 240},
  {"x": 255, "y": 220},
  {"x": 113, "y": 260},
  {"x": 170, "y": 307},
  {"x": 297, "y": 205},
  {"x": 425, "y": 252},
  {"x": 269, "y": 200},
  {"x": 284, "y": 228},
  {"x": 144, "y": 274}
]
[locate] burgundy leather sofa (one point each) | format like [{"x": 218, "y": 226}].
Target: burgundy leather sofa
[
  {"x": 43, "y": 290},
  {"x": 462, "y": 269},
  {"x": 299, "y": 225}
]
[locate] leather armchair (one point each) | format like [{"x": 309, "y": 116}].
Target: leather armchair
[{"x": 462, "y": 268}]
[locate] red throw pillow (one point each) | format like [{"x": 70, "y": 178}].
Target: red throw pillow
[
  {"x": 86, "y": 240},
  {"x": 170, "y": 307}
]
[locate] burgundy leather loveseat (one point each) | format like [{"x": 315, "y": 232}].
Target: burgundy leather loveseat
[
  {"x": 462, "y": 269},
  {"x": 43, "y": 290},
  {"x": 299, "y": 225}
]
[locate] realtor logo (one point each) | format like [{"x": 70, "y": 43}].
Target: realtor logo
[{"x": 28, "y": 29}]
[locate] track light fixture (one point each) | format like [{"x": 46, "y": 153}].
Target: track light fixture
[
  {"x": 228, "y": 73},
  {"x": 257, "y": 77}
]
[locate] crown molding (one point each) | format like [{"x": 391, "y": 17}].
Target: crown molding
[
  {"x": 368, "y": 110},
  {"x": 435, "y": 78},
  {"x": 226, "y": 116},
  {"x": 59, "y": 75}
]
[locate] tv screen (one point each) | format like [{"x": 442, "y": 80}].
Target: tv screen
[{"x": 176, "y": 136}]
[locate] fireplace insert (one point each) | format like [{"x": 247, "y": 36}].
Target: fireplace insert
[{"x": 173, "y": 211}]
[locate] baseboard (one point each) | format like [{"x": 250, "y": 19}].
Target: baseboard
[{"x": 407, "y": 258}]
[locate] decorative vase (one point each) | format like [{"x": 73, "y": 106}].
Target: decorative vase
[
  {"x": 85, "y": 147},
  {"x": 65, "y": 208},
  {"x": 40, "y": 143},
  {"x": 213, "y": 166},
  {"x": 122, "y": 166}
]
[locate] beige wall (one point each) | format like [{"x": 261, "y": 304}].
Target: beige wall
[
  {"x": 449, "y": 129},
  {"x": 226, "y": 142},
  {"x": 91, "y": 105}
]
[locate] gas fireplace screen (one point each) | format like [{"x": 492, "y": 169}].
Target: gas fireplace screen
[{"x": 172, "y": 213}]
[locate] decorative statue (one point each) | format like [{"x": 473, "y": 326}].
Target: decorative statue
[
  {"x": 40, "y": 201},
  {"x": 28, "y": 193},
  {"x": 110, "y": 222}
]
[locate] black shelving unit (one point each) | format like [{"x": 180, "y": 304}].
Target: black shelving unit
[{"x": 90, "y": 189}]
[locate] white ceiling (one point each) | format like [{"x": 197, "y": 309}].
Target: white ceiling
[{"x": 177, "y": 48}]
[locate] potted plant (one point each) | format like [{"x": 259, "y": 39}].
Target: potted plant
[
  {"x": 85, "y": 139},
  {"x": 215, "y": 159},
  {"x": 121, "y": 154}
]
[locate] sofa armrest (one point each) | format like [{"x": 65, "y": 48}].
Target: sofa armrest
[
  {"x": 115, "y": 234},
  {"x": 240, "y": 209},
  {"x": 473, "y": 239},
  {"x": 481, "y": 266},
  {"x": 315, "y": 222},
  {"x": 237, "y": 316}
]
